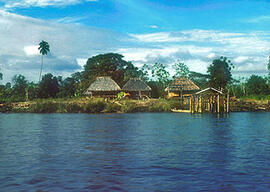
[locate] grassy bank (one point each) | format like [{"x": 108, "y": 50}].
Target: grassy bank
[
  {"x": 96, "y": 105},
  {"x": 99, "y": 105}
]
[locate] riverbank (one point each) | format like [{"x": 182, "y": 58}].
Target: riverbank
[
  {"x": 99, "y": 105},
  {"x": 89, "y": 105}
]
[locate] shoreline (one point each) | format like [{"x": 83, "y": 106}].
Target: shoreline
[{"x": 103, "y": 106}]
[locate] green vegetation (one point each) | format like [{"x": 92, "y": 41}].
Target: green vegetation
[
  {"x": 220, "y": 73},
  {"x": 95, "y": 105},
  {"x": 56, "y": 94}
]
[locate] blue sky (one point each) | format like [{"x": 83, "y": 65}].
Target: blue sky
[{"x": 144, "y": 31}]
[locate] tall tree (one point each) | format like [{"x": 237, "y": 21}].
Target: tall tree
[
  {"x": 160, "y": 73},
  {"x": 44, "y": 48},
  {"x": 181, "y": 70},
  {"x": 220, "y": 72},
  {"x": 1, "y": 76},
  {"x": 109, "y": 64},
  {"x": 48, "y": 86},
  {"x": 20, "y": 83},
  {"x": 257, "y": 85}
]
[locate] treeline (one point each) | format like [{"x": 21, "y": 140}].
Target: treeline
[{"x": 112, "y": 64}]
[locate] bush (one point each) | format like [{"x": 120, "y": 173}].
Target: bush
[
  {"x": 160, "y": 106},
  {"x": 111, "y": 108},
  {"x": 94, "y": 107},
  {"x": 44, "y": 107}
]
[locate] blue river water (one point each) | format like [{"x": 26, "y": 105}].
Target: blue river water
[{"x": 134, "y": 152}]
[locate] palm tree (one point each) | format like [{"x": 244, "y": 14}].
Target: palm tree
[{"x": 44, "y": 48}]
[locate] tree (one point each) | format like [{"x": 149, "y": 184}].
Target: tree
[
  {"x": 67, "y": 88},
  {"x": 257, "y": 85},
  {"x": 133, "y": 72},
  {"x": 199, "y": 79},
  {"x": 110, "y": 64},
  {"x": 48, "y": 86},
  {"x": 20, "y": 84},
  {"x": 159, "y": 72},
  {"x": 220, "y": 73},
  {"x": 44, "y": 48},
  {"x": 181, "y": 70},
  {"x": 1, "y": 76}
]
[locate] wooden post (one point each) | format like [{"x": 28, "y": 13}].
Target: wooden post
[
  {"x": 208, "y": 104},
  {"x": 228, "y": 103},
  {"x": 211, "y": 104},
  {"x": 218, "y": 102},
  {"x": 190, "y": 104},
  {"x": 200, "y": 104},
  {"x": 196, "y": 103},
  {"x": 192, "y": 108},
  {"x": 224, "y": 104}
]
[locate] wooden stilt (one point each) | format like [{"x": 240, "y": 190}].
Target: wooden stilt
[
  {"x": 228, "y": 103},
  {"x": 200, "y": 105},
  {"x": 192, "y": 110},
  {"x": 224, "y": 104},
  {"x": 190, "y": 104},
  {"x": 218, "y": 102}
]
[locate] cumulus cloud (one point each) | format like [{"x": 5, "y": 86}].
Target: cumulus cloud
[
  {"x": 40, "y": 3},
  {"x": 71, "y": 44},
  {"x": 21, "y": 36},
  {"x": 248, "y": 51},
  {"x": 262, "y": 18}
]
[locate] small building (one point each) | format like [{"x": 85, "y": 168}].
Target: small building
[
  {"x": 103, "y": 87},
  {"x": 211, "y": 100},
  {"x": 137, "y": 88},
  {"x": 209, "y": 91},
  {"x": 181, "y": 87}
]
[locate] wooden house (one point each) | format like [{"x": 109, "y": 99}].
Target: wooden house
[
  {"x": 181, "y": 87},
  {"x": 103, "y": 87},
  {"x": 137, "y": 88}
]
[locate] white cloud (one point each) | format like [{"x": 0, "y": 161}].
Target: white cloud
[
  {"x": 40, "y": 3},
  {"x": 21, "y": 36},
  {"x": 153, "y": 26},
  {"x": 241, "y": 59},
  {"x": 71, "y": 45},
  {"x": 31, "y": 50},
  {"x": 262, "y": 18}
]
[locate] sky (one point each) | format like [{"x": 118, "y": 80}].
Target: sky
[{"x": 143, "y": 31}]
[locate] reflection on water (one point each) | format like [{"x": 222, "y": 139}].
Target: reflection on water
[{"x": 135, "y": 152}]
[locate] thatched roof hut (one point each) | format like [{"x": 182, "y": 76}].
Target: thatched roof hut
[
  {"x": 182, "y": 85},
  {"x": 103, "y": 85},
  {"x": 136, "y": 84},
  {"x": 136, "y": 87}
]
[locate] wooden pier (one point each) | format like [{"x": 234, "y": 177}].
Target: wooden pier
[{"x": 208, "y": 100}]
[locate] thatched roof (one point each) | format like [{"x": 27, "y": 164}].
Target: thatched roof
[
  {"x": 136, "y": 84},
  {"x": 182, "y": 84},
  {"x": 211, "y": 90},
  {"x": 103, "y": 84}
]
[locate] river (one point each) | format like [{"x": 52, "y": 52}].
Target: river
[{"x": 134, "y": 152}]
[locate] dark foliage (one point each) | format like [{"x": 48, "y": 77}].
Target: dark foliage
[{"x": 48, "y": 87}]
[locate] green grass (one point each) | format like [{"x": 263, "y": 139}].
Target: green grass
[
  {"x": 97, "y": 105},
  {"x": 256, "y": 97}
]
